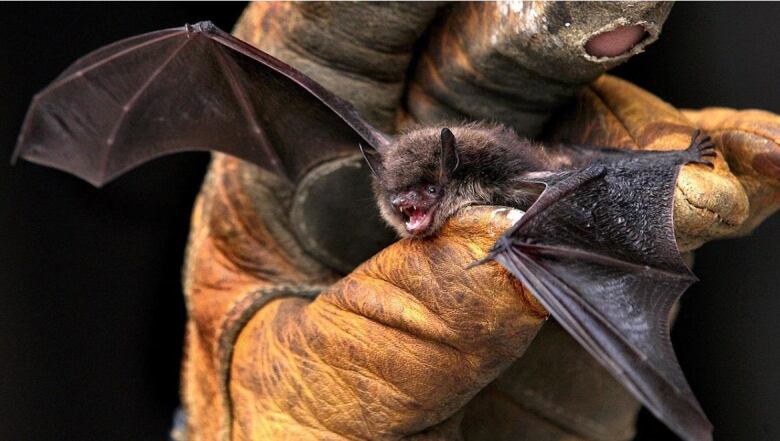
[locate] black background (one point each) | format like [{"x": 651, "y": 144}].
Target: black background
[{"x": 91, "y": 313}]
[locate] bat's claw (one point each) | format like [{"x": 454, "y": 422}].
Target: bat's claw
[
  {"x": 501, "y": 244},
  {"x": 700, "y": 149}
]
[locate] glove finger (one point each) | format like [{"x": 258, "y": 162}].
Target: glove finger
[
  {"x": 708, "y": 204},
  {"x": 397, "y": 346},
  {"x": 517, "y": 63},
  {"x": 240, "y": 243},
  {"x": 556, "y": 380},
  {"x": 750, "y": 143},
  {"x": 358, "y": 50}
]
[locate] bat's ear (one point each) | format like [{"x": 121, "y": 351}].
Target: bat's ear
[
  {"x": 373, "y": 159},
  {"x": 449, "y": 152}
]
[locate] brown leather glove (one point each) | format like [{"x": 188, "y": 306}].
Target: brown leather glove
[
  {"x": 399, "y": 348},
  {"x": 393, "y": 349},
  {"x": 556, "y": 391}
]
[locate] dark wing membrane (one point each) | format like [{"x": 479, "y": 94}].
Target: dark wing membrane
[
  {"x": 191, "y": 88},
  {"x": 598, "y": 250}
]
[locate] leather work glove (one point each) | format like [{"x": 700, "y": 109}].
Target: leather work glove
[{"x": 287, "y": 339}]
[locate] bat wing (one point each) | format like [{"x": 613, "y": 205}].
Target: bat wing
[
  {"x": 598, "y": 250},
  {"x": 189, "y": 88}
]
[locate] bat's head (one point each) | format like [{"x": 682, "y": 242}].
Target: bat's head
[
  {"x": 413, "y": 181},
  {"x": 424, "y": 176}
]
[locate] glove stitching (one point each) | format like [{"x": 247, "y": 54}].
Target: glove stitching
[
  {"x": 614, "y": 113},
  {"x": 233, "y": 323},
  {"x": 714, "y": 214},
  {"x": 688, "y": 201}
]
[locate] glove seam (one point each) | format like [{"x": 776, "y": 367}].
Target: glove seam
[
  {"x": 234, "y": 321},
  {"x": 598, "y": 95},
  {"x": 714, "y": 214}
]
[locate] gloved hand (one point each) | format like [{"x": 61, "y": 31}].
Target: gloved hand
[
  {"x": 556, "y": 381},
  {"x": 409, "y": 344},
  {"x": 393, "y": 349}
]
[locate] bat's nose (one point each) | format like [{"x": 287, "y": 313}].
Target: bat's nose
[{"x": 405, "y": 199}]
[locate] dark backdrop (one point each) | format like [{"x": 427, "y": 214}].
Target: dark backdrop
[{"x": 91, "y": 313}]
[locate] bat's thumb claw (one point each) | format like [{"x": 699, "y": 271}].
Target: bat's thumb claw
[
  {"x": 481, "y": 261},
  {"x": 501, "y": 244},
  {"x": 700, "y": 149}
]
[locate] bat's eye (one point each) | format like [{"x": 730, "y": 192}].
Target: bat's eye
[{"x": 432, "y": 189}]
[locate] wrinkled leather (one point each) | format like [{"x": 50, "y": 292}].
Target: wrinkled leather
[
  {"x": 360, "y": 51},
  {"x": 708, "y": 203},
  {"x": 517, "y": 62},
  {"x": 750, "y": 143},
  {"x": 393, "y": 349},
  {"x": 408, "y": 338},
  {"x": 410, "y": 345}
]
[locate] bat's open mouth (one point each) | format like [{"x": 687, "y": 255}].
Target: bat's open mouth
[{"x": 417, "y": 219}]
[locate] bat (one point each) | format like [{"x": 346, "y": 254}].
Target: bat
[{"x": 596, "y": 244}]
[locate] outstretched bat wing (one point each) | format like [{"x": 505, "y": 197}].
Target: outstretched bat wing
[
  {"x": 598, "y": 251},
  {"x": 189, "y": 88}
]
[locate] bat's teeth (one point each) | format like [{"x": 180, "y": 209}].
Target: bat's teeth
[{"x": 414, "y": 208}]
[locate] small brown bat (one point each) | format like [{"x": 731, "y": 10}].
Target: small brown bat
[
  {"x": 428, "y": 175},
  {"x": 596, "y": 244}
]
